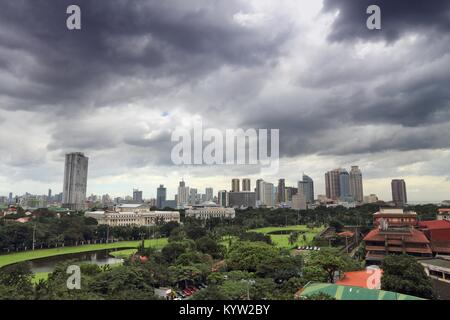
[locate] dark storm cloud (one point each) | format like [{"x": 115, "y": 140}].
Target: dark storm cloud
[
  {"x": 397, "y": 16},
  {"x": 120, "y": 41}
]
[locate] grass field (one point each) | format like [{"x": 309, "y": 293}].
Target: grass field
[
  {"x": 281, "y": 240},
  {"x": 11, "y": 258},
  {"x": 123, "y": 253},
  {"x": 40, "y": 276}
]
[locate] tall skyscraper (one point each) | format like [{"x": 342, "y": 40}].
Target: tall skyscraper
[
  {"x": 246, "y": 185},
  {"x": 193, "y": 194},
  {"x": 399, "y": 192},
  {"x": 10, "y": 198},
  {"x": 223, "y": 198},
  {"x": 344, "y": 184},
  {"x": 161, "y": 194},
  {"x": 209, "y": 194},
  {"x": 268, "y": 194},
  {"x": 258, "y": 189},
  {"x": 235, "y": 185},
  {"x": 356, "y": 184},
  {"x": 183, "y": 195},
  {"x": 137, "y": 196},
  {"x": 75, "y": 181},
  {"x": 281, "y": 191},
  {"x": 332, "y": 184},
  {"x": 308, "y": 189},
  {"x": 49, "y": 195}
]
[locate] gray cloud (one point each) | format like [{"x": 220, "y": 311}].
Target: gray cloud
[
  {"x": 398, "y": 17},
  {"x": 138, "y": 69}
]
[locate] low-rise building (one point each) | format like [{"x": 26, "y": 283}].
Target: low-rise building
[
  {"x": 395, "y": 233},
  {"x": 443, "y": 214},
  {"x": 137, "y": 218},
  {"x": 210, "y": 210}
]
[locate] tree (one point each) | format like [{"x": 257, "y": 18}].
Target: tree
[
  {"x": 293, "y": 237},
  {"x": 210, "y": 246},
  {"x": 404, "y": 274},
  {"x": 247, "y": 256},
  {"x": 15, "y": 283},
  {"x": 329, "y": 260}
]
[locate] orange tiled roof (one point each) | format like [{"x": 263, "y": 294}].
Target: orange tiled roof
[
  {"x": 357, "y": 278},
  {"x": 415, "y": 236}
]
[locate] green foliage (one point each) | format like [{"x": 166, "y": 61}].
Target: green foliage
[
  {"x": 16, "y": 283},
  {"x": 327, "y": 262},
  {"x": 245, "y": 255},
  {"x": 404, "y": 274}
]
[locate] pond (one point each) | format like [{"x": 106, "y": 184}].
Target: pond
[{"x": 99, "y": 258}]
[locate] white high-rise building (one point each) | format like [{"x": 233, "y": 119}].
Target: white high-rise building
[
  {"x": 267, "y": 194},
  {"x": 75, "y": 181},
  {"x": 183, "y": 195}
]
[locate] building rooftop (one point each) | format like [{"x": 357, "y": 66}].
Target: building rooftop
[
  {"x": 341, "y": 292},
  {"x": 435, "y": 224},
  {"x": 130, "y": 205},
  {"x": 357, "y": 278},
  {"x": 438, "y": 262},
  {"x": 414, "y": 235}
]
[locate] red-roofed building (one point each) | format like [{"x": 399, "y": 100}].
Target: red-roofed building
[
  {"x": 438, "y": 232},
  {"x": 395, "y": 234}
]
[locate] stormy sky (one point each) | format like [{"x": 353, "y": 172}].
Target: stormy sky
[{"x": 340, "y": 94}]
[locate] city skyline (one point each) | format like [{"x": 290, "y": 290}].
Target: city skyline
[
  {"x": 352, "y": 184},
  {"x": 340, "y": 94}
]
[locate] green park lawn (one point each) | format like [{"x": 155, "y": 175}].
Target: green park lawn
[
  {"x": 40, "y": 276},
  {"x": 11, "y": 258},
  {"x": 123, "y": 253},
  {"x": 281, "y": 240}
]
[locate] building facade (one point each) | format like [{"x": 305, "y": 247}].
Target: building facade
[
  {"x": 399, "y": 196},
  {"x": 223, "y": 199},
  {"x": 75, "y": 181},
  {"x": 134, "y": 218},
  {"x": 161, "y": 194},
  {"x": 356, "y": 184},
  {"x": 235, "y": 185},
  {"x": 210, "y": 210},
  {"x": 395, "y": 233},
  {"x": 281, "y": 191},
  {"x": 242, "y": 199},
  {"x": 332, "y": 184},
  {"x": 246, "y": 185}
]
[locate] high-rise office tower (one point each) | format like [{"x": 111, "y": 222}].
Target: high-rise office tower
[
  {"x": 49, "y": 195},
  {"x": 258, "y": 189},
  {"x": 332, "y": 184},
  {"x": 246, "y": 185},
  {"x": 10, "y": 198},
  {"x": 268, "y": 194},
  {"x": 356, "y": 184},
  {"x": 137, "y": 196},
  {"x": 223, "y": 198},
  {"x": 193, "y": 196},
  {"x": 281, "y": 191},
  {"x": 308, "y": 189},
  {"x": 344, "y": 184},
  {"x": 235, "y": 185},
  {"x": 161, "y": 194},
  {"x": 75, "y": 181},
  {"x": 209, "y": 194},
  {"x": 399, "y": 192},
  {"x": 183, "y": 194}
]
